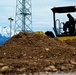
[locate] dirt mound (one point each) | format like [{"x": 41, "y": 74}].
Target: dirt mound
[
  {"x": 35, "y": 52},
  {"x": 71, "y": 42}
]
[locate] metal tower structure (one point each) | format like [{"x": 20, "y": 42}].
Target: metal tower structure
[{"x": 23, "y": 17}]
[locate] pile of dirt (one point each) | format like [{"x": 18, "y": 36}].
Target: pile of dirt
[
  {"x": 71, "y": 42},
  {"x": 34, "y": 52}
]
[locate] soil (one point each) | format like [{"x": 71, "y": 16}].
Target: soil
[
  {"x": 32, "y": 52},
  {"x": 71, "y": 42}
]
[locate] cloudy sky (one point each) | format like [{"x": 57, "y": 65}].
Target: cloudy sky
[{"x": 42, "y": 18}]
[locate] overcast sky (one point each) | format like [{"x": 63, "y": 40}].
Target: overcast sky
[{"x": 41, "y": 12}]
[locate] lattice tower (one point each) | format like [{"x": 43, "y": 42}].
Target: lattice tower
[{"x": 23, "y": 17}]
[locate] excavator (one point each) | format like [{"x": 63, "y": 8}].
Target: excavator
[{"x": 58, "y": 25}]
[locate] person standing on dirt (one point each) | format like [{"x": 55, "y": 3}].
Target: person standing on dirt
[{"x": 69, "y": 24}]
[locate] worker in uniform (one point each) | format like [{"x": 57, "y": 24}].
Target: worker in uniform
[{"x": 69, "y": 24}]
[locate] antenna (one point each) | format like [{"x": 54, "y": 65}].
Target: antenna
[{"x": 23, "y": 17}]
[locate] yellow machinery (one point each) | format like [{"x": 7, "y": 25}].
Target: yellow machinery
[{"x": 58, "y": 28}]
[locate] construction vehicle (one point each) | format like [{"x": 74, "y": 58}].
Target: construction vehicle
[{"x": 58, "y": 25}]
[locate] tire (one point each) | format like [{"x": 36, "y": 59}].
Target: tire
[{"x": 49, "y": 33}]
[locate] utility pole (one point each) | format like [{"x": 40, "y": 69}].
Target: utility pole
[
  {"x": 23, "y": 17},
  {"x": 10, "y": 19}
]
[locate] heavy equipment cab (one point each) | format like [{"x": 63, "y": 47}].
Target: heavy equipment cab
[{"x": 59, "y": 29}]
